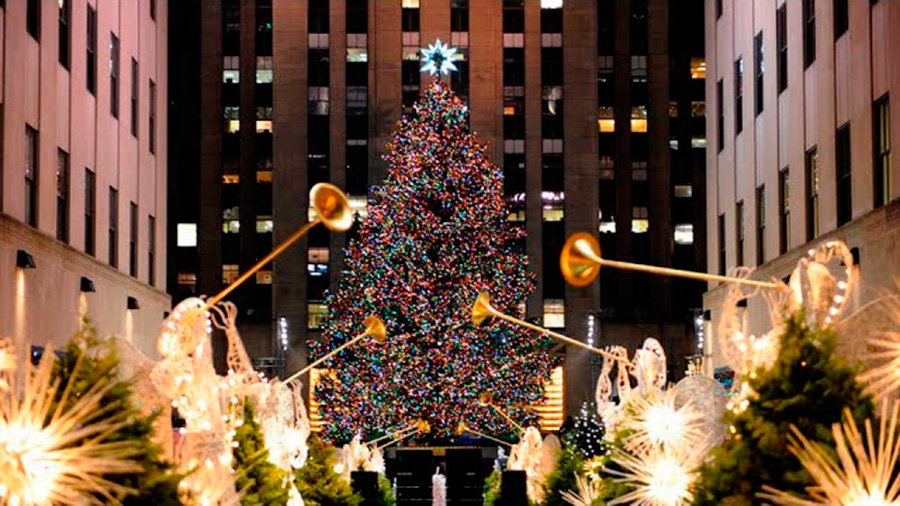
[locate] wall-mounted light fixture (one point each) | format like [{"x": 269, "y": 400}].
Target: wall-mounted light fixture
[
  {"x": 24, "y": 260},
  {"x": 133, "y": 303},
  {"x": 87, "y": 286}
]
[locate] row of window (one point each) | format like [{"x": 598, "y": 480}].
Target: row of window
[
  {"x": 843, "y": 189},
  {"x": 63, "y": 188}
]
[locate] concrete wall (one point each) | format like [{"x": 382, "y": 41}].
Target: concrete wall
[
  {"x": 37, "y": 90},
  {"x": 848, "y": 75}
]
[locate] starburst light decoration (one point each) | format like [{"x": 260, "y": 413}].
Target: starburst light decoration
[
  {"x": 884, "y": 378},
  {"x": 659, "y": 477},
  {"x": 862, "y": 475},
  {"x": 588, "y": 491},
  {"x": 657, "y": 421},
  {"x": 55, "y": 449},
  {"x": 437, "y": 59},
  {"x": 7, "y": 363}
]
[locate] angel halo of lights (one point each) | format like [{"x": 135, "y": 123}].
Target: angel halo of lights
[{"x": 437, "y": 59}]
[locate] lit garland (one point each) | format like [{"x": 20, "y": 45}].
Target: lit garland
[{"x": 436, "y": 236}]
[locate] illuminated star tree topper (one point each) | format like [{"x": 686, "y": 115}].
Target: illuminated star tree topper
[{"x": 438, "y": 58}]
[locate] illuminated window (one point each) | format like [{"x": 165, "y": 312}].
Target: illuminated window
[
  {"x": 318, "y": 101},
  {"x": 318, "y": 255},
  {"x": 357, "y": 55},
  {"x": 638, "y": 125},
  {"x": 318, "y": 41},
  {"x": 606, "y": 125},
  {"x": 516, "y": 215},
  {"x": 554, "y": 313},
  {"x": 673, "y": 109},
  {"x": 551, "y": 40},
  {"x": 698, "y": 142},
  {"x": 187, "y": 278},
  {"x": 639, "y": 118},
  {"x": 317, "y": 269},
  {"x": 357, "y": 40},
  {"x": 698, "y": 68},
  {"x": 639, "y": 222},
  {"x": 514, "y": 146},
  {"x": 607, "y": 161},
  {"x": 230, "y": 273},
  {"x": 231, "y": 70},
  {"x": 359, "y": 205},
  {"x": 459, "y": 39},
  {"x": 264, "y": 176},
  {"x": 513, "y": 40},
  {"x": 553, "y": 212},
  {"x": 231, "y": 223},
  {"x": 638, "y": 66},
  {"x": 684, "y": 234},
  {"x": 264, "y": 70},
  {"x": 608, "y": 227},
  {"x": 316, "y": 313},
  {"x": 264, "y": 126},
  {"x": 551, "y": 4},
  {"x": 264, "y": 224},
  {"x": 410, "y": 4},
  {"x": 232, "y": 119},
  {"x": 187, "y": 235},
  {"x": 551, "y": 146},
  {"x": 698, "y": 109},
  {"x": 264, "y": 277},
  {"x": 231, "y": 178},
  {"x": 683, "y": 191}
]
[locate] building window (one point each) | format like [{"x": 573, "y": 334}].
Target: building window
[
  {"x": 758, "y": 92},
  {"x": 232, "y": 118},
  {"x": 553, "y": 212},
  {"x": 809, "y": 32},
  {"x": 722, "y": 247},
  {"x": 684, "y": 234},
  {"x": 738, "y": 95},
  {"x": 264, "y": 277},
  {"x": 231, "y": 70},
  {"x": 318, "y": 16},
  {"x": 264, "y": 72},
  {"x": 188, "y": 279},
  {"x": 316, "y": 312},
  {"x": 186, "y": 235},
  {"x": 153, "y": 12},
  {"x": 132, "y": 241},
  {"x": 151, "y": 125},
  {"x": 318, "y": 101},
  {"x": 91, "y": 48},
  {"x": 761, "y": 225},
  {"x": 62, "y": 196},
  {"x": 113, "y": 236},
  {"x": 410, "y": 18},
  {"x": 739, "y": 231},
  {"x": 698, "y": 68},
  {"x": 231, "y": 220},
  {"x": 842, "y": 171},
  {"x": 230, "y": 273},
  {"x": 64, "y": 42},
  {"x": 90, "y": 211},
  {"x": 264, "y": 224},
  {"x": 720, "y": 111},
  {"x": 114, "y": 75},
  {"x": 841, "y": 17},
  {"x": 684, "y": 191},
  {"x": 151, "y": 250},
  {"x": 33, "y": 19},
  {"x": 31, "y": 176},
  {"x": 134, "y": 97},
  {"x": 812, "y": 194},
  {"x": 554, "y": 313},
  {"x": 881, "y": 140},
  {"x": 781, "y": 35},
  {"x": 718, "y": 9},
  {"x": 784, "y": 210},
  {"x": 640, "y": 220}
]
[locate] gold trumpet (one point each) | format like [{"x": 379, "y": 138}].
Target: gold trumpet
[
  {"x": 374, "y": 327},
  {"x": 332, "y": 210},
  {"x": 463, "y": 428},
  {"x": 580, "y": 262},
  {"x": 486, "y": 399},
  {"x": 482, "y": 310},
  {"x": 421, "y": 426}
]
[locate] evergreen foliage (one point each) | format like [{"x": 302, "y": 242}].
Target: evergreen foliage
[
  {"x": 260, "y": 481},
  {"x": 586, "y": 433},
  {"x": 317, "y": 482},
  {"x": 158, "y": 484},
  {"x": 808, "y": 386}
]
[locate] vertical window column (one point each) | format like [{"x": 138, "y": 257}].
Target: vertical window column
[
  {"x": 459, "y": 38},
  {"x": 812, "y": 194},
  {"x": 90, "y": 212},
  {"x": 881, "y": 141},
  {"x": 31, "y": 176},
  {"x": 62, "y": 196},
  {"x": 132, "y": 240},
  {"x": 843, "y": 173},
  {"x": 357, "y": 81},
  {"x": 784, "y": 210},
  {"x": 761, "y": 225},
  {"x": 114, "y": 75},
  {"x": 411, "y": 76},
  {"x": 113, "y": 236}
]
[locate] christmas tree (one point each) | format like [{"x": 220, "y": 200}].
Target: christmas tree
[
  {"x": 808, "y": 387},
  {"x": 158, "y": 483},
  {"x": 260, "y": 481},
  {"x": 586, "y": 434},
  {"x": 317, "y": 482},
  {"x": 436, "y": 235}
]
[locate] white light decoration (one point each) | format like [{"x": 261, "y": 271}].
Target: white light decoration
[
  {"x": 537, "y": 458},
  {"x": 588, "y": 492},
  {"x": 884, "y": 379},
  {"x": 862, "y": 475},
  {"x": 438, "y": 58},
  {"x": 61, "y": 455},
  {"x": 660, "y": 477},
  {"x": 656, "y": 421},
  {"x": 7, "y": 363}
]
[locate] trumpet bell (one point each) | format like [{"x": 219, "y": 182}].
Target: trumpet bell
[
  {"x": 375, "y": 328},
  {"x": 579, "y": 260},
  {"x": 331, "y": 206},
  {"x": 486, "y": 399},
  {"x": 482, "y": 309},
  {"x": 461, "y": 428}
]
